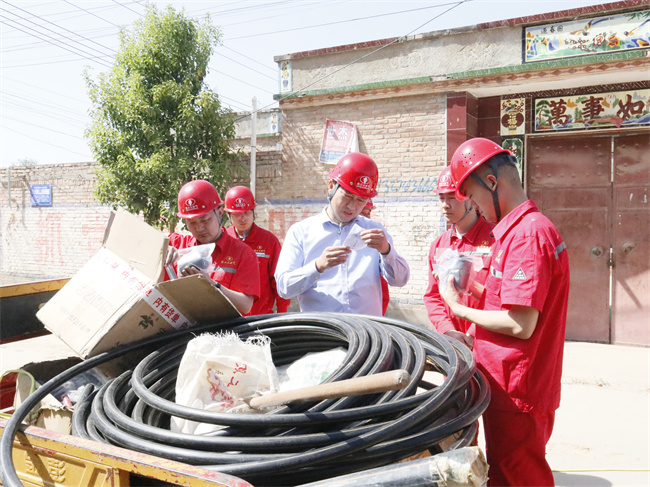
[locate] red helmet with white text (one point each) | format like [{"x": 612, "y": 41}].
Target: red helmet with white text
[
  {"x": 469, "y": 155},
  {"x": 196, "y": 198},
  {"x": 239, "y": 199},
  {"x": 357, "y": 173},
  {"x": 445, "y": 182},
  {"x": 369, "y": 204}
]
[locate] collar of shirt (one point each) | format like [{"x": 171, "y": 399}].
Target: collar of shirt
[
  {"x": 325, "y": 219},
  {"x": 512, "y": 218},
  {"x": 472, "y": 235},
  {"x": 250, "y": 234}
]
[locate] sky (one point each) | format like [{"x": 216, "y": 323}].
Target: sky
[{"x": 47, "y": 45}]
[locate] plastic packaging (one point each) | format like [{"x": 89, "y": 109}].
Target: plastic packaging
[
  {"x": 198, "y": 256},
  {"x": 311, "y": 369},
  {"x": 463, "y": 267},
  {"x": 219, "y": 373}
]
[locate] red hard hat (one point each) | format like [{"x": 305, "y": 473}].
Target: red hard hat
[
  {"x": 239, "y": 199},
  {"x": 357, "y": 173},
  {"x": 196, "y": 198},
  {"x": 445, "y": 182},
  {"x": 370, "y": 205},
  {"x": 469, "y": 155}
]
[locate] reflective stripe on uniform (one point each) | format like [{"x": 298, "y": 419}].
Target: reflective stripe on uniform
[
  {"x": 229, "y": 270},
  {"x": 496, "y": 273},
  {"x": 559, "y": 249}
]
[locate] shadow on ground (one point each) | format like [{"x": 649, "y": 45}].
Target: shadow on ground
[{"x": 579, "y": 480}]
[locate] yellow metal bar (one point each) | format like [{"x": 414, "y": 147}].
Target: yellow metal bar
[
  {"x": 45, "y": 458},
  {"x": 11, "y": 290}
]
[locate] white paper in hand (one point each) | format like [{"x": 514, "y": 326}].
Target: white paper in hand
[{"x": 354, "y": 240}]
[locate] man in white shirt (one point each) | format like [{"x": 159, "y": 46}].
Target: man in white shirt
[{"x": 333, "y": 261}]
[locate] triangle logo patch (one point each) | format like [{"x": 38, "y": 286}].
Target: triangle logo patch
[{"x": 520, "y": 275}]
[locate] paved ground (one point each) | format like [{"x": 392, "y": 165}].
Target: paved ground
[{"x": 602, "y": 430}]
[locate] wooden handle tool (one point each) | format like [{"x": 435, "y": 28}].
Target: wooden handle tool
[{"x": 369, "y": 384}]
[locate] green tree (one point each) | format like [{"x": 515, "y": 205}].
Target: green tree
[{"x": 155, "y": 124}]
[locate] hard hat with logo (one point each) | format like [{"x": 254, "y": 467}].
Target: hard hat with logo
[
  {"x": 196, "y": 198},
  {"x": 469, "y": 155},
  {"x": 239, "y": 199},
  {"x": 445, "y": 182},
  {"x": 369, "y": 204},
  {"x": 356, "y": 173}
]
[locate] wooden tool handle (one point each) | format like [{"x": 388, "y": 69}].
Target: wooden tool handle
[{"x": 369, "y": 384}]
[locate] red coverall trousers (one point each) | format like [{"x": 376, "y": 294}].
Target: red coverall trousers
[{"x": 518, "y": 458}]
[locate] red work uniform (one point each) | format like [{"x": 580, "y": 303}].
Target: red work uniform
[
  {"x": 234, "y": 263},
  {"x": 530, "y": 267},
  {"x": 267, "y": 248},
  {"x": 478, "y": 241},
  {"x": 385, "y": 296}
]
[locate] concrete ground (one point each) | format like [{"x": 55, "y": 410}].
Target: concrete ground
[
  {"x": 602, "y": 430},
  {"x": 601, "y": 436}
]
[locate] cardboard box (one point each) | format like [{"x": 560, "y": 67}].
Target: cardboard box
[{"x": 116, "y": 298}]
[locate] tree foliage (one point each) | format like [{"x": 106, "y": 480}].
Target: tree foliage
[{"x": 155, "y": 124}]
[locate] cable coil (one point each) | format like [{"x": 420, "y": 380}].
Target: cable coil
[{"x": 306, "y": 441}]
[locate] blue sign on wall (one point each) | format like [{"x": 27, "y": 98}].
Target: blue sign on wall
[{"x": 41, "y": 194}]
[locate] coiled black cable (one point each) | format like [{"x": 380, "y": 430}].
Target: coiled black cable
[{"x": 301, "y": 442}]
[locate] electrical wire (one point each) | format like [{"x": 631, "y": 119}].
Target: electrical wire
[
  {"x": 304, "y": 441},
  {"x": 375, "y": 51},
  {"x": 327, "y": 24}
]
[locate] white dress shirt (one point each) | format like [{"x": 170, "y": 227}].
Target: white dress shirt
[{"x": 352, "y": 287}]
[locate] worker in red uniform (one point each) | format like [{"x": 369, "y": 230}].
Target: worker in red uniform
[
  {"x": 520, "y": 330},
  {"x": 234, "y": 265},
  {"x": 385, "y": 293},
  {"x": 240, "y": 205},
  {"x": 469, "y": 235}
]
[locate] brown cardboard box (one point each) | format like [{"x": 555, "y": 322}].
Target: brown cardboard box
[{"x": 115, "y": 298}]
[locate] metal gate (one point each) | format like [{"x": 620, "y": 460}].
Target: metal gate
[{"x": 596, "y": 189}]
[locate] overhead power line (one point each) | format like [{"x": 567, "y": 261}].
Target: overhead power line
[
  {"x": 342, "y": 21},
  {"x": 54, "y": 41},
  {"x": 44, "y": 142},
  {"x": 59, "y": 27},
  {"x": 452, "y": 6},
  {"x": 247, "y": 67},
  {"x": 91, "y": 13}
]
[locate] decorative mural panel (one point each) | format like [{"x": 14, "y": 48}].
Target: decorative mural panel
[
  {"x": 285, "y": 77},
  {"x": 598, "y": 35},
  {"x": 516, "y": 146},
  {"x": 513, "y": 116},
  {"x": 274, "y": 123},
  {"x": 599, "y": 110}
]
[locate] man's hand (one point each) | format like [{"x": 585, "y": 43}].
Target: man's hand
[
  {"x": 172, "y": 255},
  {"x": 451, "y": 295},
  {"x": 331, "y": 257},
  {"x": 467, "y": 340},
  {"x": 375, "y": 238},
  {"x": 192, "y": 270}
]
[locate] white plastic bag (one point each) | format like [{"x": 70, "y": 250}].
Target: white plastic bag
[
  {"x": 199, "y": 256},
  {"x": 219, "y": 373},
  {"x": 311, "y": 369},
  {"x": 462, "y": 266}
]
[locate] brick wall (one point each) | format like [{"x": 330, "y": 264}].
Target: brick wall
[
  {"x": 406, "y": 137},
  {"x": 49, "y": 242}
]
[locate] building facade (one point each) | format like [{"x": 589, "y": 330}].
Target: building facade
[{"x": 568, "y": 92}]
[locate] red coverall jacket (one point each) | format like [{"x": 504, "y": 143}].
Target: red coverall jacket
[{"x": 478, "y": 241}]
